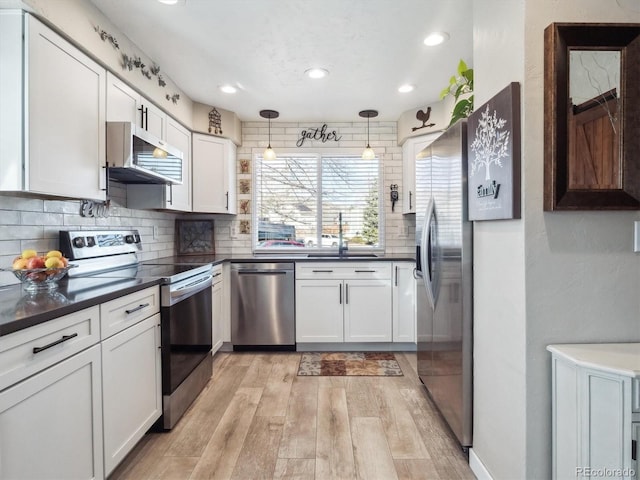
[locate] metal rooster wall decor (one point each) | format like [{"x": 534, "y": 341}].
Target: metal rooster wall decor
[{"x": 424, "y": 118}]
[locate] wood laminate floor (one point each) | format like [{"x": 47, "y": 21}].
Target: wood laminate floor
[{"x": 256, "y": 419}]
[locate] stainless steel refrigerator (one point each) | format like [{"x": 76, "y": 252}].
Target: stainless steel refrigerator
[{"x": 444, "y": 248}]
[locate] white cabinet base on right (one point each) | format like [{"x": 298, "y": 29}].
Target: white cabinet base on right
[{"x": 595, "y": 410}]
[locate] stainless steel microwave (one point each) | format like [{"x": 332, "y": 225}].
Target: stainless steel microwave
[{"x": 136, "y": 156}]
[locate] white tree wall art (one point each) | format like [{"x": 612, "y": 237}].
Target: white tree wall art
[
  {"x": 494, "y": 157},
  {"x": 491, "y": 142}
]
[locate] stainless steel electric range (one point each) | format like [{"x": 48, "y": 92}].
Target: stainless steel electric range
[{"x": 107, "y": 257}]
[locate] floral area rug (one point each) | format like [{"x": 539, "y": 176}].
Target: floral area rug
[{"x": 349, "y": 363}]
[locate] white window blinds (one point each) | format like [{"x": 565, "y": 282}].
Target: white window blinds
[{"x": 299, "y": 199}]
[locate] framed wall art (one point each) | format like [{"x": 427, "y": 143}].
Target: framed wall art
[
  {"x": 195, "y": 237},
  {"x": 493, "y": 147}
]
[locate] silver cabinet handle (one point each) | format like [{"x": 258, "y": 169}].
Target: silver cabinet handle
[
  {"x": 365, "y": 271},
  {"x": 396, "y": 282},
  {"x": 346, "y": 293},
  {"x": 340, "y": 287},
  {"x": 322, "y": 271}
]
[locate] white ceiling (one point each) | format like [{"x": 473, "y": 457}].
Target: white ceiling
[{"x": 370, "y": 48}]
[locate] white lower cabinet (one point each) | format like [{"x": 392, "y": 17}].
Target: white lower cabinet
[
  {"x": 51, "y": 423},
  {"x": 319, "y": 311},
  {"x": 217, "y": 309},
  {"x": 345, "y": 302},
  {"x": 404, "y": 302},
  {"x": 132, "y": 381},
  {"x": 595, "y": 410}
]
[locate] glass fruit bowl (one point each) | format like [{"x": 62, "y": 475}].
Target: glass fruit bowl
[{"x": 39, "y": 279}]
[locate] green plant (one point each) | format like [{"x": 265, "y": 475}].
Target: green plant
[{"x": 460, "y": 86}]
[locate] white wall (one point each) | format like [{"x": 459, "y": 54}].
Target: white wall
[
  {"x": 499, "y": 285},
  {"x": 579, "y": 280}
]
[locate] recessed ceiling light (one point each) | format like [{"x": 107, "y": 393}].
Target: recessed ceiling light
[
  {"x": 228, "y": 88},
  {"x": 316, "y": 72},
  {"x": 406, "y": 88},
  {"x": 436, "y": 38},
  {"x": 168, "y": 2}
]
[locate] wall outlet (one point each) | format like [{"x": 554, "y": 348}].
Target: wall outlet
[
  {"x": 234, "y": 230},
  {"x": 156, "y": 232},
  {"x": 636, "y": 236}
]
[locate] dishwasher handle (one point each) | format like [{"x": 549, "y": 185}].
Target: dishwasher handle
[{"x": 251, "y": 271}]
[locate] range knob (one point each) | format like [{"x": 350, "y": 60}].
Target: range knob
[
  {"x": 78, "y": 242},
  {"x": 129, "y": 239},
  {"x": 91, "y": 241}
]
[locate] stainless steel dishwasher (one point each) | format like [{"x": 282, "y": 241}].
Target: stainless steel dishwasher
[{"x": 263, "y": 306}]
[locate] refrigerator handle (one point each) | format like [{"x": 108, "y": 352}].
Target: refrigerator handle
[{"x": 427, "y": 251}]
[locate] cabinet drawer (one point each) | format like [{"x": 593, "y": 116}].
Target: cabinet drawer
[
  {"x": 33, "y": 349},
  {"x": 123, "y": 312},
  {"x": 346, "y": 270}
]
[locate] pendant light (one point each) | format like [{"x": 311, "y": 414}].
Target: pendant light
[
  {"x": 368, "y": 153},
  {"x": 269, "y": 154}
]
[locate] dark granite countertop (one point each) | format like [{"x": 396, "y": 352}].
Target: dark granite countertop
[{"x": 20, "y": 309}]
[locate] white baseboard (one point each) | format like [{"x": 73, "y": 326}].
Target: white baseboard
[{"x": 477, "y": 467}]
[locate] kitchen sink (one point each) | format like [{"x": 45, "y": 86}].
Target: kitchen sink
[{"x": 343, "y": 256}]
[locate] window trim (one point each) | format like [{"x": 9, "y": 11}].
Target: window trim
[{"x": 316, "y": 152}]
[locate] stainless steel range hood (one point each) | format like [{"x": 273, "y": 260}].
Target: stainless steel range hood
[{"x": 136, "y": 156}]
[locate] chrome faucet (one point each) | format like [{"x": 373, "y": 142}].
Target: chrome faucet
[{"x": 342, "y": 246}]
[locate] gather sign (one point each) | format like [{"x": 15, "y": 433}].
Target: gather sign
[{"x": 320, "y": 133}]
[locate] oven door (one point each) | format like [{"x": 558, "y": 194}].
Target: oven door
[{"x": 186, "y": 329}]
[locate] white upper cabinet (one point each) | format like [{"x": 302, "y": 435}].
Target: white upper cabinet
[
  {"x": 410, "y": 150},
  {"x": 124, "y": 104},
  {"x": 53, "y": 96},
  {"x": 213, "y": 174}
]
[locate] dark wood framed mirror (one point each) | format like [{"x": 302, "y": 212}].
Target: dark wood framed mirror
[{"x": 592, "y": 116}]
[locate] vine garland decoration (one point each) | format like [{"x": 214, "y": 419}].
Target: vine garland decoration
[{"x": 135, "y": 62}]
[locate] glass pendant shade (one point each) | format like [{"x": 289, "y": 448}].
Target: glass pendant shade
[
  {"x": 269, "y": 154},
  {"x": 368, "y": 153}
]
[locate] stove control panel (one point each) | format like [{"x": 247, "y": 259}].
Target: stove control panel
[{"x": 80, "y": 244}]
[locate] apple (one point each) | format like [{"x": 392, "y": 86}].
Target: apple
[
  {"x": 64, "y": 261},
  {"x": 20, "y": 263},
  {"x": 29, "y": 253},
  {"x": 35, "y": 262}
]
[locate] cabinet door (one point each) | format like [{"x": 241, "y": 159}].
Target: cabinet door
[
  {"x": 226, "y": 303},
  {"x": 408, "y": 177},
  {"x": 216, "y": 316},
  {"x": 367, "y": 311},
  {"x": 66, "y": 118},
  {"x": 51, "y": 423},
  {"x": 154, "y": 120},
  {"x": 404, "y": 302},
  {"x": 123, "y": 101},
  {"x": 132, "y": 394},
  {"x": 410, "y": 150},
  {"x": 179, "y": 196},
  {"x": 210, "y": 174},
  {"x": 319, "y": 311},
  {"x": 605, "y": 422}
]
